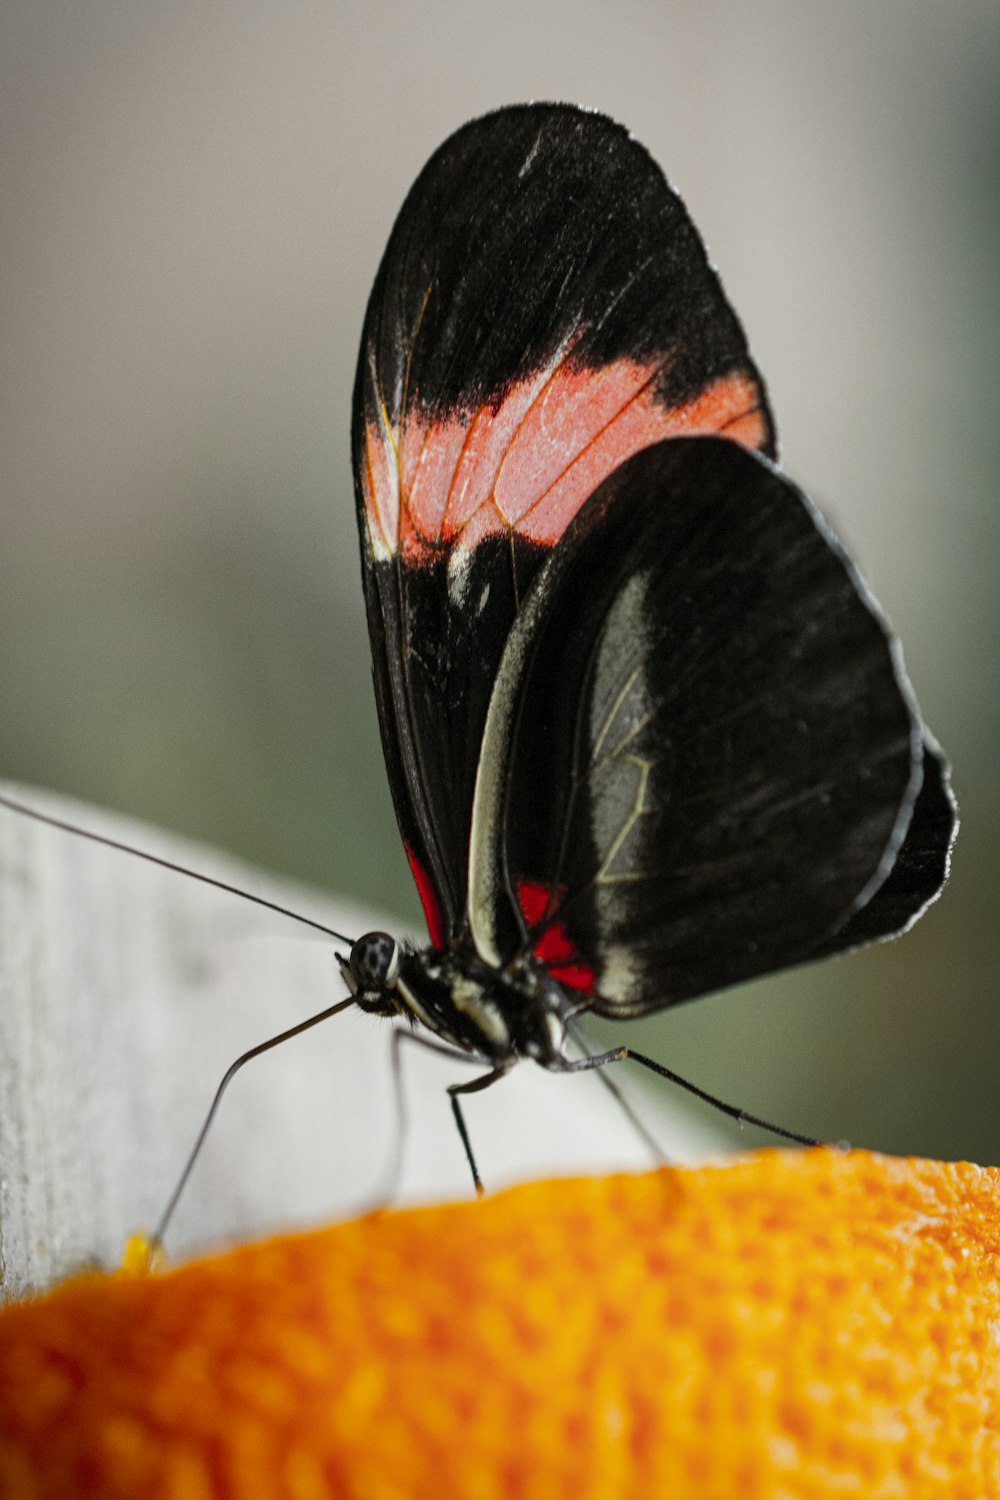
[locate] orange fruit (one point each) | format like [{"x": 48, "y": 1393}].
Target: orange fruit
[{"x": 785, "y": 1324}]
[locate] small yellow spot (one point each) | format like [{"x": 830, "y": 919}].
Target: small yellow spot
[{"x": 141, "y": 1255}]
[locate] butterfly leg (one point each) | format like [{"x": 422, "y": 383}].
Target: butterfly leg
[
  {"x": 473, "y": 1087},
  {"x": 741, "y": 1116},
  {"x": 399, "y": 1036}
]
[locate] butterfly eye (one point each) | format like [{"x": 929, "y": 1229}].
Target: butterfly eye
[{"x": 374, "y": 963}]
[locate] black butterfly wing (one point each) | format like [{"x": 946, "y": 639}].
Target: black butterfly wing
[
  {"x": 919, "y": 870},
  {"x": 544, "y": 309},
  {"x": 703, "y": 757}
]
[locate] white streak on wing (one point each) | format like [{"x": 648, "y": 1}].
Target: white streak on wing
[
  {"x": 487, "y": 814},
  {"x": 525, "y": 165},
  {"x": 459, "y": 564},
  {"x": 486, "y": 830},
  {"x": 617, "y": 978},
  {"x": 468, "y": 998},
  {"x": 384, "y": 534}
]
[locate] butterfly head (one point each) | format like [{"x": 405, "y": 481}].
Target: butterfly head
[{"x": 371, "y": 971}]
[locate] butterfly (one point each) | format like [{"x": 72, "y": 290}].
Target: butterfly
[{"x": 647, "y": 732}]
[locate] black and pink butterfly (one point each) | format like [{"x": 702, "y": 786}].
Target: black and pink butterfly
[{"x": 647, "y": 732}]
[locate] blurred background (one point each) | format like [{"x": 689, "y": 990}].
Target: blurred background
[{"x": 195, "y": 198}]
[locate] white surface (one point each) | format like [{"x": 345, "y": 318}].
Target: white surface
[{"x": 126, "y": 991}]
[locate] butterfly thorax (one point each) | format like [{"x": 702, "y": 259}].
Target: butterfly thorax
[{"x": 499, "y": 1014}]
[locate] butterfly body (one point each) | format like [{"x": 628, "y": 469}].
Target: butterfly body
[{"x": 497, "y": 1015}]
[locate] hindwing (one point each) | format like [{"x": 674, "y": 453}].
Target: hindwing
[{"x": 703, "y": 758}]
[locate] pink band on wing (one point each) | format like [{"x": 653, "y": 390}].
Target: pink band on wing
[{"x": 529, "y": 464}]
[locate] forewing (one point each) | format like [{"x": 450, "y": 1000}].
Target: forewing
[
  {"x": 544, "y": 309},
  {"x": 703, "y": 755}
]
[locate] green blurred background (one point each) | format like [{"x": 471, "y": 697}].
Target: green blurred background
[{"x": 195, "y": 197}]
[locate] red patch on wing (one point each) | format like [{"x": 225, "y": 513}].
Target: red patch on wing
[
  {"x": 555, "y": 947},
  {"x": 533, "y": 900},
  {"x": 428, "y": 900},
  {"x": 529, "y": 465}
]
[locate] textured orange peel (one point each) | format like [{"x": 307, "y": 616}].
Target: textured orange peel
[{"x": 786, "y": 1324}]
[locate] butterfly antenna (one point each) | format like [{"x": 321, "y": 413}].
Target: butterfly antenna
[
  {"x": 167, "y": 864},
  {"x": 227, "y": 1077}
]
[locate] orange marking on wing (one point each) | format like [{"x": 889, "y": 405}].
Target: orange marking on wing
[
  {"x": 575, "y": 406},
  {"x": 529, "y": 465},
  {"x": 431, "y": 458},
  {"x": 486, "y": 522},
  {"x": 381, "y": 490},
  {"x": 639, "y": 423},
  {"x": 522, "y": 402},
  {"x": 488, "y": 443},
  {"x": 724, "y": 404},
  {"x": 749, "y": 428},
  {"x": 731, "y": 400},
  {"x": 412, "y": 448}
]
